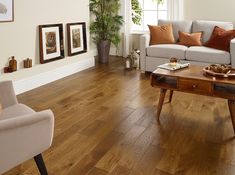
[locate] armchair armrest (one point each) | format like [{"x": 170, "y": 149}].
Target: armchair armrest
[
  {"x": 232, "y": 52},
  {"x": 24, "y": 137},
  {"x": 144, "y": 42},
  {"x": 25, "y": 120},
  {"x": 7, "y": 94}
]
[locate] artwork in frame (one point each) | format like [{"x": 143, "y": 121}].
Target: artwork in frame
[
  {"x": 51, "y": 42},
  {"x": 6, "y": 10},
  {"x": 77, "y": 40}
]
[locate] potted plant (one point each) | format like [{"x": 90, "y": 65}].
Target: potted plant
[{"x": 105, "y": 29}]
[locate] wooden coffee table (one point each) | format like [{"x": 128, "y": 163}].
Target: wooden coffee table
[{"x": 193, "y": 80}]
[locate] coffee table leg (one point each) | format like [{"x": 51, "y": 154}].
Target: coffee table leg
[
  {"x": 171, "y": 95},
  {"x": 231, "y": 105},
  {"x": 160, "y": 103}
]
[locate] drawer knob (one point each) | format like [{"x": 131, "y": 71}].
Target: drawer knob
[{"x": 194, "y": 86}]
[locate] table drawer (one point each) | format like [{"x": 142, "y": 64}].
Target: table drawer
[{"x": 195, "y": 86}]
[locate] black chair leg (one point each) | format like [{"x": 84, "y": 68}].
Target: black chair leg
[{"x": 40, "y": 164}]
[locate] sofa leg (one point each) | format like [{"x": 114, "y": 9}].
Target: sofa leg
[{"x": 40, "y": 164}]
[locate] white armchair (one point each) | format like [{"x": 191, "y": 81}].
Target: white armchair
[{"x": 24, "y": 133}]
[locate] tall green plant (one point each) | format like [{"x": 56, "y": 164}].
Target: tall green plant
[{"x": 107, "y": 21}]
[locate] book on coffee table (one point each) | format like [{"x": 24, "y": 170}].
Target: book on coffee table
[{"x": 177, "y": 66}]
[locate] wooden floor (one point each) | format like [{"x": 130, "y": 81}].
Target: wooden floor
[{"x": 105, "y": 124}]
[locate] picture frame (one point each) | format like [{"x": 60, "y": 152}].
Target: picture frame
[
  {"x": 77, "y": 39},
  {"x": 51, "y": 42},
  {"x": 6, "y": 11}
]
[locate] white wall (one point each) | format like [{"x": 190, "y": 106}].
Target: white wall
[
  {"x": 20, "y": 38},
  {"x": 220, "y": 10}
]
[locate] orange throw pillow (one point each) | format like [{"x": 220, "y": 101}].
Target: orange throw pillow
[
  {"x": 220, "y": 39},
  {"x": 190, "y": 39},
  {"x": 161, "y": 34}
]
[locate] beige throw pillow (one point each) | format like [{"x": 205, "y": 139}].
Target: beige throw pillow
[{"x": 161, "y": 34}]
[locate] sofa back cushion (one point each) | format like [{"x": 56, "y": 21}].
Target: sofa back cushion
[
  {"x": 184, "y": 26},
  {"x": 207, "y": 27}
]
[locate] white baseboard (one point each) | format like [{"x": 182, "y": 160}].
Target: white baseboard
[{"x": 41, "y": 79}]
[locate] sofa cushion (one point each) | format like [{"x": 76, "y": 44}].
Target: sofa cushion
[
  {"x": 167, "y": 51},
  {"x": 184, "y": 26},
  {"x": 15, "y": 110},
  {"x": 208, "y": 55},
  {"x": 207, "y": 27}
]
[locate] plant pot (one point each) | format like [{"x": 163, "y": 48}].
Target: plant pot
[{"x": 103, "y": 51}]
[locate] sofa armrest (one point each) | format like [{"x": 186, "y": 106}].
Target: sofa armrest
[
  {"x": 232, "y": 52},
  {"x": 7, "y": 94},
  {"x": 144, "y": 43}
]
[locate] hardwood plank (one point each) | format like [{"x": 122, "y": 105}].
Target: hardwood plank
[
  {"x": 120, "y": 170},
  {"x": 147, "y": 164},
  {"x": 159, "y": 172},
  {"x": 132, "y": 155},
  {"x": 110, "y": 160},
  {"x": 131, "y": 120},
  {"x": 89, "y": 161},
  {"x": 96, "y": 171}
]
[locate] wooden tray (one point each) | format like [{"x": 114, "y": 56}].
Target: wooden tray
[{"x": 222, "y": 75}]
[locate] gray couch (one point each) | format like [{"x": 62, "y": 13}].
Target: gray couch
[{"x": 154, "y": 55}]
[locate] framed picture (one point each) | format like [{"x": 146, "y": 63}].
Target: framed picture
[
  {"x": 6, "y": 10},
  {"x": 77, "y": 41},
  {"x": 51, "y": 42}
]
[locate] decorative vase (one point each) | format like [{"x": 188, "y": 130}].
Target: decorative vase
[
  {"x": 128, "y": 63},
  {"x": 103, "y": 51},
  {"x": 27, "y": 63},
  {"x": 136, "y": 58},
  {"x": 13, "y": 64}
]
